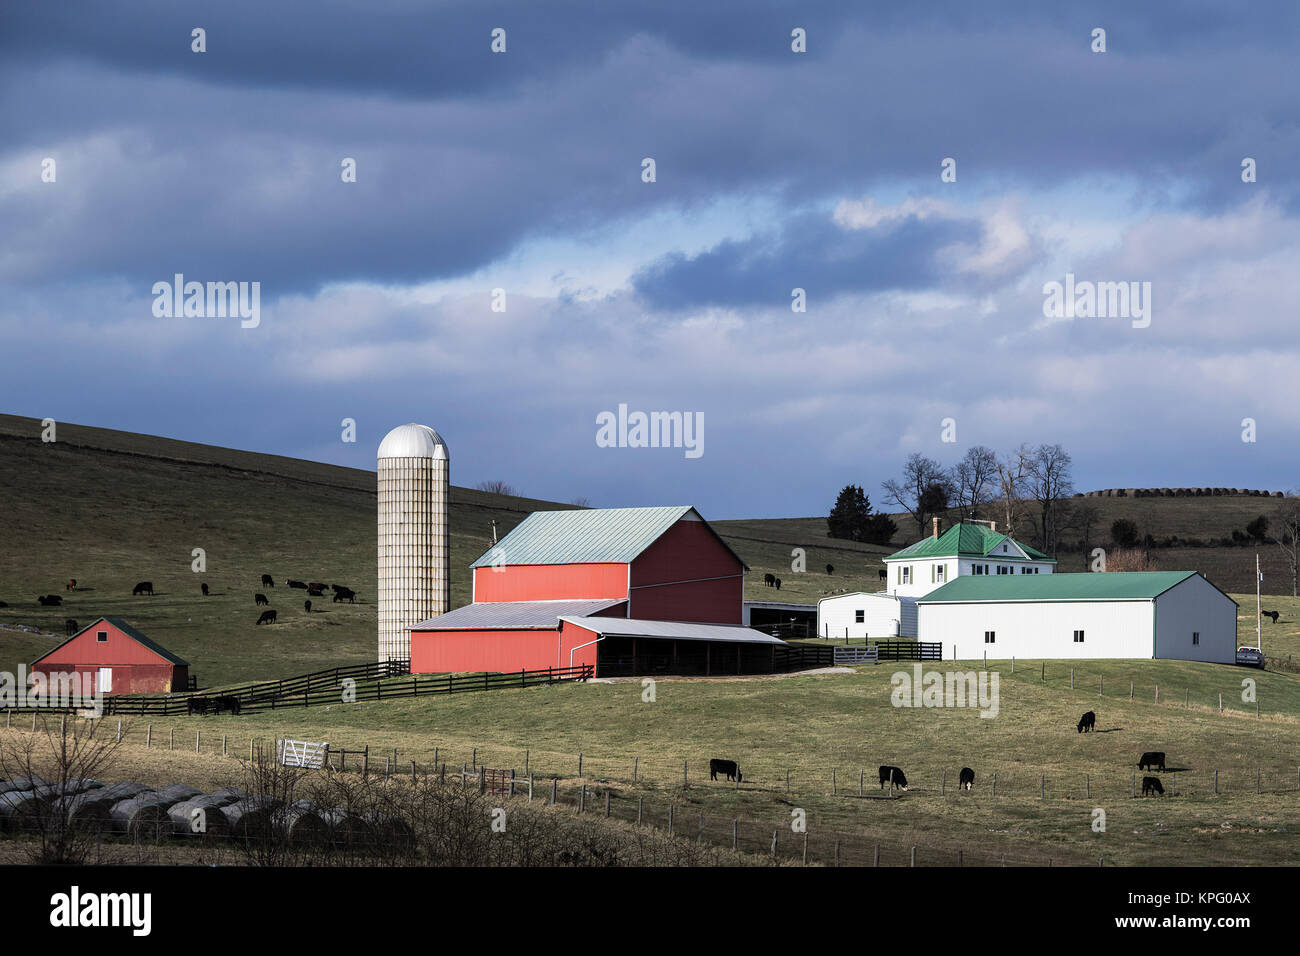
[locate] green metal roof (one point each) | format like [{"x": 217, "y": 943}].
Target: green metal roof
[
  {"x": 126, "y": 629},
  {"x": 585, "y": 536},
  {"x": 1086, "y": 586},
  {"x": 965, "y": 541}
]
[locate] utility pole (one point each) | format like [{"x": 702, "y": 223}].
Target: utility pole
[{"x": 1259, "y": 615}]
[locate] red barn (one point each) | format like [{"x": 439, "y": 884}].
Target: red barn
[
  {"x": 118, "y": 659},
  {"x": 645, "y": 564}
]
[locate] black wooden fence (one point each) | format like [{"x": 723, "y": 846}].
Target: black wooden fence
[{"x": 909, "y": 650}]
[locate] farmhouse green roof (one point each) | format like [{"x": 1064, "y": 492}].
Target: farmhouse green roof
[
  {"x": 965, "y": 541},
  {"x": 586, "y": 536},
  {"x": 1084, "y": 586}
]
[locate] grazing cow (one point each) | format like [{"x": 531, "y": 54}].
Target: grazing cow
[
  {"x": 261, "y": 599},
  {"x": 71, "y": 627},
  {"x": 144, "y": 587},
  {"x": 268, "y": 617},
  {"x": 315, "y": 592},
  {"x": 197, "y": 705},
  {"x": 49, "y": 600},
  {"x": 267, "y": 581},
  {"x": 899, "y": 778},
  {"x": 1087, "y": 722},
  {"x": 1152, "y": 785},
  {"x": 778, "y": 584},
  {"x": 71, "y": 585},
  {"x": 344, "y": 594},
  {"x": 226, "y": 703},
  {"x": 1152, "y": 760},
  {"x": 769, "y": 580},
  {"x": 1270, "y": 614},
  {"x": 727, "y": 767},
  {"x": 967, "y": 779},
  {"x": 830, "y": 569},
  {"x": 306, "y": 606},
  {"x": 884, "y": 575},
  {"x": 204, "y": 586},
  {"x": 296, "y": 584},
  {"x": 316, "y": 586}
]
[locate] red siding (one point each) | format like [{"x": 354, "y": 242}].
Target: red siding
[
  {"x": 449, "y": 652},
  {"x": 136, "y": 669},
  {"x": 698, "y": 578},
  {"x": 551, "y": 582}
]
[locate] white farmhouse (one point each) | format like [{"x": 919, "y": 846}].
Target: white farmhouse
[
  {"x": 1135, "y": 614},
  {"x": 964, "y": 549},
  {"x": 860, "y": 615}
]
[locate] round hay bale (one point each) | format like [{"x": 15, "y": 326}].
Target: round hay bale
[
  {"x": 228, "y": 795},
  {"x": 182, "y": 816},
  {"x": 122, "y": 791},
  {"x": 179, "y": 792},
  {"x": 388, "y": 830},
  {"x": 304, "y": 825},
  {"x": 141, "y": 818},
  {"x": 252, "y": 817},
  {"x": 23, "y": 783},
  {"x": 84, "y": 812},
  {"x": 344, "y": 826}
]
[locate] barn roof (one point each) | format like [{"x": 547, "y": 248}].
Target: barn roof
[
  {"x": 1084, "y": 586},
  {"x": 506, "y": 615},
  {"x": 587, "y": 536},
  {"x": 130, "y": 632},
  {"x": 674, "y": 630},
  {"x": 965, "y": 541}
]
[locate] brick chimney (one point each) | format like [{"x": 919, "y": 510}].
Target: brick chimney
[{"x": 936, "y": 526}]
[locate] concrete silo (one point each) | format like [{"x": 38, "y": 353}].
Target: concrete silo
[{"x": 414, "y": 541}]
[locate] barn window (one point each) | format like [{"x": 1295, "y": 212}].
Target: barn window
[
  {"x": 101, "y": 637},
  {"x": 1078, "y": 637},
  {"x": 859, "y": 617},
  {"x": 990, "y": 637},
  {"x": 1196, "y": 637}
]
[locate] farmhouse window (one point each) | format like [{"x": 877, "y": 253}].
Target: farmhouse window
[
  {"x": 906, "y": 575},
  {"x": 101, "y": 637},
  {"x": 1078, "y": 637},
  {"x": 990, "y": 637},
  {"x": 940, "y": 573},
  {"x": 859, "y": 617}
]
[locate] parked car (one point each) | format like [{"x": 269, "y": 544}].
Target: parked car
[{"x": 1250, "y": 657}]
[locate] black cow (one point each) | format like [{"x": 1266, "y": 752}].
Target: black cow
[
  {"x": 71, "y": 585},
  {"x": 1270, "y": 614},
  {"x": 727, "y": 767},
  {"x": 306, "y": 606},
  {"x": 1152, "y": 785},
  {"x": 344, "y": 594},
  {"x": 49, "y": 600},
  {"x": 1087, "y": 722},
  {"x": 197, "y": 705},
  {"x": 769, "y": 580},
  {"x": 205, "y": 589},
  {"x": 268, "y": 617},
  {"x": 71, "y": 627},
  {"x": 316, "y": 586},
  {"x": 315, "y": 592},
  {"x": 778, "y": 584},
  {"x": 261, "y": 599},
  {"x": 144, "y": 587},
  {"x": 830, "y": 569},
  {"x": 296, "y": 584},
  {"x": 883, "y": 574},
  {"x": 267, "y": 581},
  {"x": 1152, "y": 760},
  {"x": 3, "y": 604},
  {"x": 226, "y": 703},
  {"x": 899, "y": 778},
  {"x": 967, "y": 779}
]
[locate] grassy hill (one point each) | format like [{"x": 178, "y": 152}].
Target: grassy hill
[{"x": 112, "y": 508}]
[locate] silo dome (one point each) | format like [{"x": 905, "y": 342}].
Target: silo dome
[{"x": 413, "y": 441}]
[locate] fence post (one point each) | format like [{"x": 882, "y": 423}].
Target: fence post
[
  {"x": 1013, "y": 663},
  {"x": 1220, "y": 702},
  {"x": 805, "y": 847},
  {"x": 1134, "y": 787},
  {"x": 582, "y": 798},
  {"x": 1043, "y": 674},
  {"x": 640, "y": 809},
  {"x": 527, "y": 754},
  {"x": 33, "y": 721},
  {"x": 835, "y": 790},
  {"x": 1157, "y": 693},
  {"x": 387, "y": 768},
  {"x": 837, "y": 853},
  {"x": 787, "y": 781},
  {"x": 119, "y": 731},
  {"x": 685, "y": 781},
  {"x": 995, "y": 784},
  {"x": 223, "y": 745},
  {"x": 670, "y": 819},
  {"x": 1042, "y": 786},
  {"x": 1130, "y": 689},
  {"x": 579, "y": 765},
  {"x": 774, "y": 833},
  {"x": 1216, "y": 783},
  {"x": 943, "y": 785},
  {"x": 1087, "y": 787},
  {"x": 607, "y": 802},
  {"x": 365, "y": 760},
  {"x": 1071, "y": 678},
  {"x": 171, "y": 737},
  {"x": 197, "y": 734},
  {"x": 148, "y": 734},
  {"x": 413, "y": 780},
  {"x": 877, "y": 856},
  {"x": 530, "y": 788},
  {"x": 554, "y": 783},
  {"x": 1257, "y": 775},
  {"x": 913, "y": 856},
  {"x": 435, "y": 757},
  {"x": 862, "y": 776},
  {"x": 473, "y": 760},
  {"x": 1101, "y": 687}
]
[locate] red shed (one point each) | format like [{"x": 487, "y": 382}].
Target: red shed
[
  {"x": 652, "y": 564},
  {"x": 118, "y": 659}
]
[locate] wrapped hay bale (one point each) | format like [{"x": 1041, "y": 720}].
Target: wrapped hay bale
[
  {"x": 84, "y": 812},
  {"x": 18, "y": 808},
  {"x": 141, "y": 818},
  {"x": 22, "y": 783},
  {"x": 345, "y": 827},
  {"x": 178, "y": 792},
  {"x": 228, "y": 795},
  {"x": 201, "y": 811},
  {"x": 252, "y": 817},
  {"x": 304, "y": 824}
]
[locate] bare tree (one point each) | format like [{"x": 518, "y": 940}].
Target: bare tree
[
  {"x": 581, "y": 501},
  {"x": 1050, "y": 483},
  {"x": 1130, "y": 559},
  {"x": 1012, "y": 476},
  {"x": 925, "y": 489},
  {"x": 497, "y": 488},
  {"x": 974, "y": 479},
  {"x": 1288, "y": 535}
]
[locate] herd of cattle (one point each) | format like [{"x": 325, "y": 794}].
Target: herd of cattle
[
  {"x": 894, "y": 776},
  {"x": 140, "y": 812}
]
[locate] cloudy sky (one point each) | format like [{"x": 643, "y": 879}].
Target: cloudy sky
[{"x": 774, "y": 170}]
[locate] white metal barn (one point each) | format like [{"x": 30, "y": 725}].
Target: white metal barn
[
  {"x": 860, "y": 614},
  {"x": 1136, "y": 614}
]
